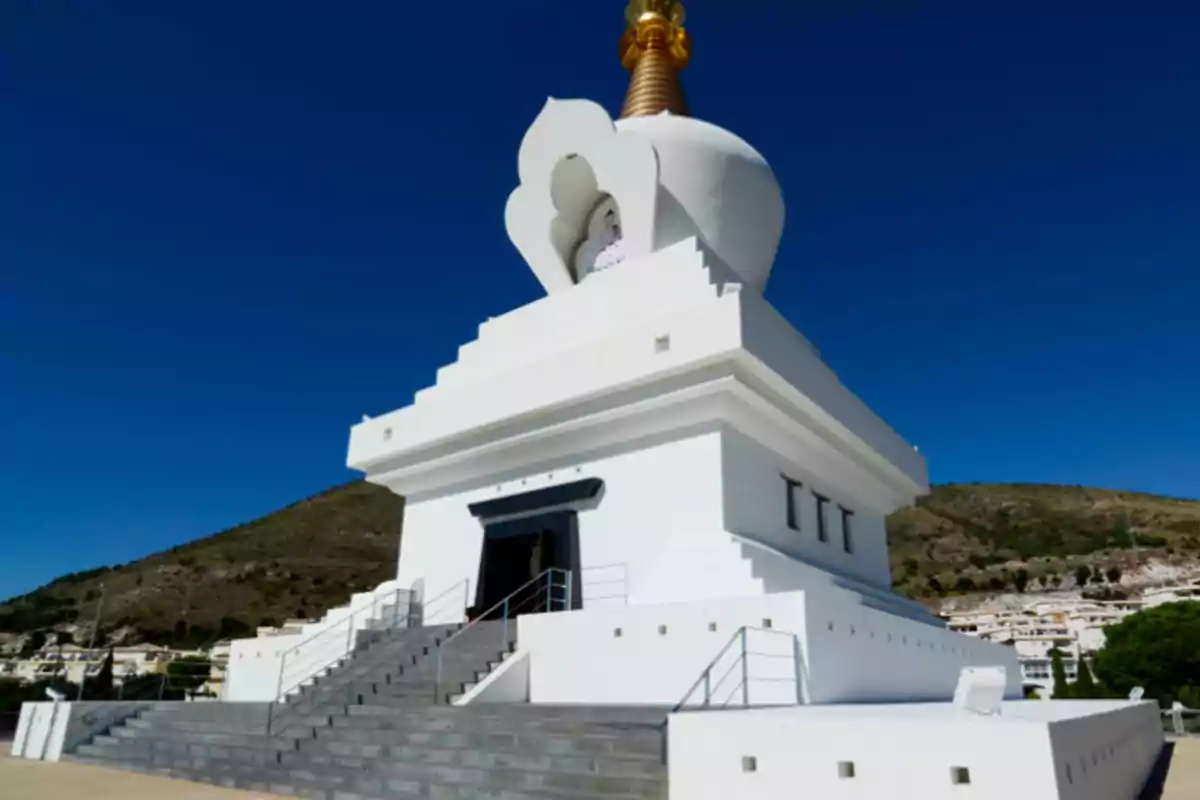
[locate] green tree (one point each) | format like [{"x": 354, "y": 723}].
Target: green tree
[
  {"x": 1021, "y": 579},
  {"x": 101, "y": 686},
  {"x": 1059, "y": 673},
  {"x": 1158, "y": 649},
  {"x": 188, "y": 674},
  {"x": 1085, "y": 687},
  {"x": 964, "y": 584},
  {"x": 1113, "y": 574},
  {"x": 1082, "y": 573},
  {"x": 935, "y": 586}
]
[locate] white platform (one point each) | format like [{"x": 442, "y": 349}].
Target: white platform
[{"x": 1035, "y": 750}]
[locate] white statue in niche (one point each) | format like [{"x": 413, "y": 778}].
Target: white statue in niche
[{"x": 603, "y": 246}]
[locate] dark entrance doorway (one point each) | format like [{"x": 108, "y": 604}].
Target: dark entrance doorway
[
  {"x": 532, "y": 532},
  {"x": 515, "y": 553}
]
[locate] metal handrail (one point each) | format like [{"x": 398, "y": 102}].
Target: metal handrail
[
  {"x": 742, "y": 660},
  {"x": 349, "y": 621},
  {"x": 505, "y": 605},
  {"x": 351, "y": 612}
]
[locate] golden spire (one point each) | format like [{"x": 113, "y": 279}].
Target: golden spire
[{"x": 655, "y": 48}]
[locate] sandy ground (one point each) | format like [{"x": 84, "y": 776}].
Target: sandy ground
[
  {"x": 24, "y": 780},
  {"x": 35, "y": 780},
  {"x": 1183, "y": 775}
]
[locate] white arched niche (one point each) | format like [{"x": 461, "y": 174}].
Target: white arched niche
[{"x": 584, "y": 187}]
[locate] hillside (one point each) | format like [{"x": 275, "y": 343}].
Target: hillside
[
  {"x": 295, "y": 562},
  {"x": 971, "y": 537},
  {"x": 310, "y": 556}
]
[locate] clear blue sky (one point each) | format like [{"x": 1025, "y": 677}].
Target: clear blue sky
[{"x": 228, "y": 229}]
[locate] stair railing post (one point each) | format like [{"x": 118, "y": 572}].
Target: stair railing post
[
  {"x": 708, "y": 686},
  {"x": 279, "y": 682},
  {"x": 796, "y": 663},
  {"x": 466, "y": 596},
  {"x": 569, "y": 600},
  {"x": 349, "y": 631},
  {"x": 437, "y": 680},
  {"x": 504, "y": 611},
  {"x": 745, "y": 673},
  {"x": 549, "y": 590}
]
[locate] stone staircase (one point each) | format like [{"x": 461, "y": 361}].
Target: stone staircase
[{"x": 374, "y": 728}]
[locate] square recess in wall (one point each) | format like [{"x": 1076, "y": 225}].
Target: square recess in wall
[
  {"x": 662, "y": 630},
  {"x": 712, "y": 627},
  {"x": 662, "y": 343},
  {"x": 960, "y": 776},
  {"x": 617, "y": 633},
  {"x": 845, "y": 769},
  {"x": 767, "y": 623},
  {"x": 749, "y": 764}
]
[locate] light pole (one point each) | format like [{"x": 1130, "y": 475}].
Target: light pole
[{"x": 91, "y": 642}]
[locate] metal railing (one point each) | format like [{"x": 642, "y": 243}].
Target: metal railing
[
  {"x": 279, "y": 713},
  {"x": 299, "y": 663},
  {"x": 728, "y": 679},
  {"x": 1181, "y": 721},
  {"x": 604, "y": 583},
  {"x": 549, "y": 591}
]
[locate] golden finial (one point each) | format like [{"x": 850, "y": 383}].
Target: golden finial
[{"x": 655, "y": 48}]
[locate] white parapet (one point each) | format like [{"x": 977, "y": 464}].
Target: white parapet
[
  {"x": 1033, "y": 750},
  {"x": 818, "y": 647}
]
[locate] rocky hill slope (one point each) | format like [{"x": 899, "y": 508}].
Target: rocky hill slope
[{"x": 310, "y": 556}]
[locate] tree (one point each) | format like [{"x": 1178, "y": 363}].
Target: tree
[
  {"x": 188, "y": 673},
  {"x": 1158, "y": 649},
  {"x": 1021, "y": 579},
  {"x": 1113, "y": 574},
  {"x": 34, "y": 642},
  {"x": 1084, "y": 687},
  {"x": 935, "y": 586},
  {"x": 996, "y": 583},
  {"x": 1059, "y": 673},
  {"x": 101, "y": 686},
  {"x": 964, "y": 584},
  {"x": 1082, "y": 573}
]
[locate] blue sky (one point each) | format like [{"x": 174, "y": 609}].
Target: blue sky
[{"x": 228, "y": 229}]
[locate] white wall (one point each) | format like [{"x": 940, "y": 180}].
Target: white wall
[
  {"x": 41, "y": 730},
  {"x": 850, "y": 652},
  {"x": 900, "y": 752},
  {"x": 756, "y": 507},
  {"x": 1109, "y": 754},
  {"x": 578, "y": 657},
  {"x": 655, "y": 501}
]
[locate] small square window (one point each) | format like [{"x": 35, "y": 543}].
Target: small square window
[
  {"x": 617, "y": 633},
  {"x": 662, "y": 630},
  {"x": 662, "y": 344},
  {"x": 960, "y": 776},
  {"x": 845, "y": 769},
  {"x": 767, "y": 623},
  {"x": 712, "y": 627},
  {"x": 749, "y": 764}
]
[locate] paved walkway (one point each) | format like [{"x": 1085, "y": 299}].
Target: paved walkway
[
  {"x": 1183, "y": 775},
  {"x": 21, "y": 779}
]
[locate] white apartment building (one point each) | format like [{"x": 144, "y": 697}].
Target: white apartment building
[{"x": 1073, "y": 625}]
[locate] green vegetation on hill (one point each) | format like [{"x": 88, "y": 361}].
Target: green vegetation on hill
[
  {"x": 965, "y": 538},
  {"x": 296, "y": 562},
  {"x": 310, "y": 556}
]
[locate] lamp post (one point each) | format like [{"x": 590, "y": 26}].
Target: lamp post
[{"x": 91, "y": 642}]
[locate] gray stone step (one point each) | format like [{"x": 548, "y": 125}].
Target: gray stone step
[{"x": 390, "y": 779}]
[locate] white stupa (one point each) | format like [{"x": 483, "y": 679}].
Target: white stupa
[{"x": 697, "y": 492}]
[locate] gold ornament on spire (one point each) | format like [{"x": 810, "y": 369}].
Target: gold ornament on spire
[{"x": 655, "y": 48}]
